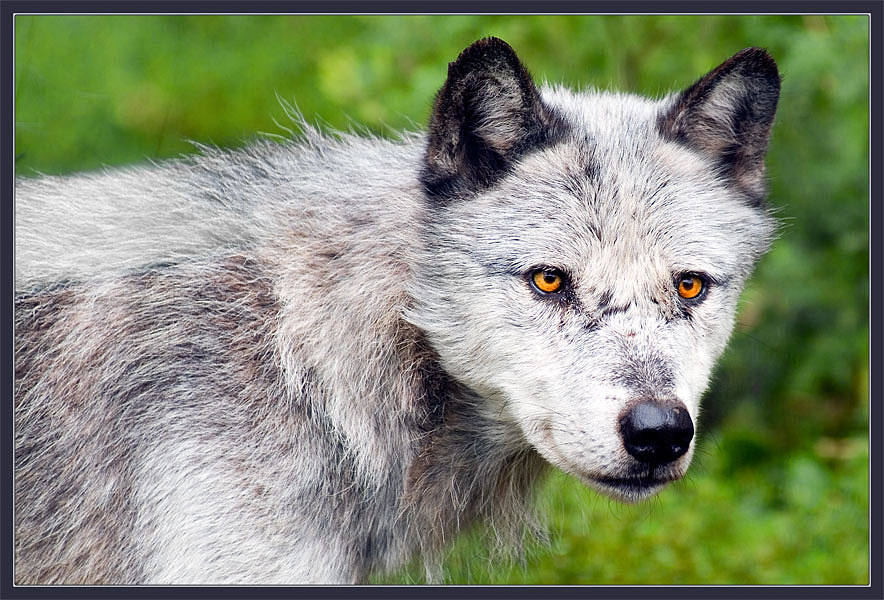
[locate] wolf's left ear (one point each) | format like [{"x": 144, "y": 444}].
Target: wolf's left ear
[
  {"x": 728, "y": 114},
  {"x": 486, "y": 116}
]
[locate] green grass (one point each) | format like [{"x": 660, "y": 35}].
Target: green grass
[{"x": 779, "y": 492}]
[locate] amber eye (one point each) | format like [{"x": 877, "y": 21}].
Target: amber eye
[
  {"x": 548, "y": 281},
  {"x": 690, "y": 286}
]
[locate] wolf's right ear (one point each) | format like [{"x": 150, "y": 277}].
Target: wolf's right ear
[
  {"x": 487, "y": 114},
  {"x": 727, "y": 114}
]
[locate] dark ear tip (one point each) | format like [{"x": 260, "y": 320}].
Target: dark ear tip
[
  {"x": 486, "y": 44},
  {"x": 484, "y": 52},
  {"x": 757, "y": 60}
]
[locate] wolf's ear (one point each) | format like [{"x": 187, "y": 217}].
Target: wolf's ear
[
  {"x": 727, "y": 115},
  {"x": 487, "y": 114}
]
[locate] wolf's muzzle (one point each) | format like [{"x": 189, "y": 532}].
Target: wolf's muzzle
[{"x": 656, "y": 433}]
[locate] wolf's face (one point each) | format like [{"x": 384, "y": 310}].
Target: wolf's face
[{"x": 585, "y": 253}]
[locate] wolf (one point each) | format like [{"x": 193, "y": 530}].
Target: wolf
[{"x": 314, "y": 360}]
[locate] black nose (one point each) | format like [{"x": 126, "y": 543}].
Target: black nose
[{"x": 656, "y": 433}]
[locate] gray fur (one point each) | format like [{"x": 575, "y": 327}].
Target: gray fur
[{"x": 296, "y": 363}]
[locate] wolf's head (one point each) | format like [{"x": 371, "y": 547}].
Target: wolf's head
[{"x": 585, "y": 252}]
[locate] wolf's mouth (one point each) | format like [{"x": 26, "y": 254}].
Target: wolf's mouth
[
  {"x": 628, "y": 488},
  {"x": 638, "y": 482}
]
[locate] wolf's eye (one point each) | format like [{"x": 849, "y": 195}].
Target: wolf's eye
[
  {"x": 690, "y": 286},
  {"x": 547, "y": 280}
]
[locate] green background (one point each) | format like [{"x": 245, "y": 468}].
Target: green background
[{"x": 778, "y": 493}]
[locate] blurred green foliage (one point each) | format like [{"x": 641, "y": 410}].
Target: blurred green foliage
[{"x": 779, "y": 490}]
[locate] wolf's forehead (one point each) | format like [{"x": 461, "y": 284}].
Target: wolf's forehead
[
  {"x": 657, "y": 212},
  {"x": 620, "y": 168},
  {"x": 607, "y": 118},
  {"x": 617, "y": 137}
]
